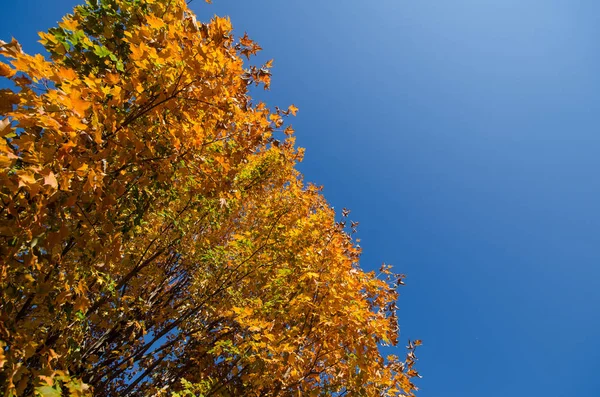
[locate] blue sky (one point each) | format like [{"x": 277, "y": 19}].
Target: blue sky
[{"x": 463, "y": 135}]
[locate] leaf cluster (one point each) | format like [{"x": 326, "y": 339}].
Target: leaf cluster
[{"x": 156, "y": 236}]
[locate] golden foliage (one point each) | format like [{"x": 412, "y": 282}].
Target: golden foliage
[{"x": 156, "y": 236}]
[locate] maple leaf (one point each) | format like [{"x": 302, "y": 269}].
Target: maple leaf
[
  {"x": 293, "y": 109},
  {"x": 69, "y": 24},
  {"x": 4, "y": 126},
  {"x": 50, "y": 180},
  {"x": 48, "y": 391},
  {"x": 155, "y": 22},
  {"x": 26, "y": 178},
  {"x": 76, "y": 123},
  {"x": 77, "y": 103},
  {"x": 5, "y": 70}
]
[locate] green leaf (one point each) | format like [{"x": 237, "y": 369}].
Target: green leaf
[
  {"x": 102, "y": 52},
  {"x": 47, "y": 391},
  {"x": 77, "y": 36}
]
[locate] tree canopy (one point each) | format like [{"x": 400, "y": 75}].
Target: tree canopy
[{"x": 156, "y": 237}]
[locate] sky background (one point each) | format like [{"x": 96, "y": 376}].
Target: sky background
[{"x": 463, "y": 135}]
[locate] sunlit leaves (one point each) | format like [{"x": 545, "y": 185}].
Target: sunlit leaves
[{"x": 156, "y": 235}]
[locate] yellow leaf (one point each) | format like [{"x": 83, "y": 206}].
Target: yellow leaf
[
  {"x": 78, "y": 104},
  {"x": 76, "y": 124},
  {"x": 65, "y": 181},
  {"x": 137, "y": 51},
  {"x": 154, "y": 22},
  {"x": 254, "y": 328},
  {"x": 26, "y": 178},
  {"x": 69, "y": 24},
  {"x": 2, "y": 356},
  {"x": 81, "y": 170},
  {"x": 293, "y": 109},
  {"x": 275, "y": 118}
]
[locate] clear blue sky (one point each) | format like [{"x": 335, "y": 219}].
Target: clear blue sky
[{"x": 463, "y": 135}]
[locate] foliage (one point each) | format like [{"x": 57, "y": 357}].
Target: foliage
[{"x": 156, "y": 237}]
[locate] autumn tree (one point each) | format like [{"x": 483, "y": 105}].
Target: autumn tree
[{"x": 156, "y": 237}]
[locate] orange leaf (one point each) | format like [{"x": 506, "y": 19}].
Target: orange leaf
[
  {"x": 5, "y": 70},
  {"x": 66, "y": 74},
  {"x": 78, "y": 104},
  {"x": 81, "y": 170}
]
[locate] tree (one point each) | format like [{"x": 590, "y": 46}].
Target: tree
[{"x": 156, "y": 237}]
